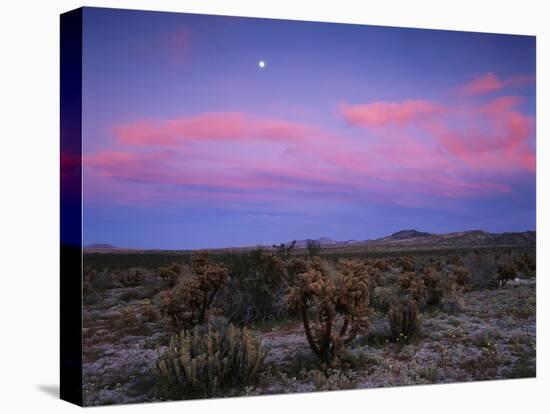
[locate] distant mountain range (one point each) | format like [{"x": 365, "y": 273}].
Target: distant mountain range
[
  {"x": 418, "y": 238},
  {"x": 100, "y": 246},
  {"x": 403, "y": 238},
  {"x": 103, "y": 248}
]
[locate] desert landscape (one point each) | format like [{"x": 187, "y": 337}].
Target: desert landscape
[
  {"x": 275, "y": 206},
  {"x": 408, "y": 309}
]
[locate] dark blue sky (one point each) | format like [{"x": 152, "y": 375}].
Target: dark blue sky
[{"x": 349, "y": 131}]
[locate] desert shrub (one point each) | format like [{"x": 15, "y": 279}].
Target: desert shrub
[
  {"x": 434, "y": 285},
  {"x": 404, "y": 318},
  {"x": 334, "y": 304},
  {"x": 413, "y": 286},
  {"x": 483, "y": 269},
  {"x": 201, "y": 362},
  {"x": 461, "y": 276},
  {"x": 188, "y": 303},
  {"x": 380, "y": 264},
  {"x": 129, "y": 295},
  {"x": 128, "y": 317},
  {"x": 506, "y": 273},
  {"x": 407, "y": 263},
  {"x": 256, "y": 290},
  {"x": 149, "y": 313},
  {"x": 103, "y": 280},
  {"x": 520, "y": 266},
  {"x": 526, "y": 264},
  {"x": 172, "y": 273},
  {"x": 383, "y": 297},
  {"x": 530, "y": 261},
  {"x": 454, "y": 260},
  {"x": 453, "y": 299},
  {"x": 131, "y": 277},
  {"x": 435, "y": 263}
]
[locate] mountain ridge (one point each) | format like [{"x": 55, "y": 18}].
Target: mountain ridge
[
  {"x": 411, "y": 237},
  {"x": 402, "y": 238}
]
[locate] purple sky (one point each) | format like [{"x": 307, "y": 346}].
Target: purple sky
[{"x": 350, "y": 132}]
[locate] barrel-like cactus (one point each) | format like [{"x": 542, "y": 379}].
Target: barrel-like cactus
[
  {"x": 434, "y": 285},
  {"x": 202, "y": 361},
  {"x": 404, "y": 318}
]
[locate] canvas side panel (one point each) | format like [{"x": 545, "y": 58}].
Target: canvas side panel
[{"x": 71, "y": 207}]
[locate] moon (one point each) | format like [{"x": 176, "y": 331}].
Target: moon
[{"x": 261, "y": 64}]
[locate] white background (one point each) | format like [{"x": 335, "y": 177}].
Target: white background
[{"x": 29, "y": 193}]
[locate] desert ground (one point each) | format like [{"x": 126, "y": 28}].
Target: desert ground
[{"x": 416, "y": 316}]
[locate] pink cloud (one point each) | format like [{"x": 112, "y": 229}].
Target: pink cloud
[
  {"x": 482, "y": 85},
  {"x": 385, "y": 113},
  {"x": 213, "y": 126},
  {"x": 411, "y": 152},
  {"x": 490, "y": 82},
  {"x": 494, "y": 136}
]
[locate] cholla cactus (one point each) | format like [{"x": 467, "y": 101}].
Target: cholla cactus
[
  {"x": 413, "y": 286},
  {"x": 202, "y": 362},
  {"x": 334, "y": 304},
  {"x": 188, "y": 303},
  {"x": 461, "y": 276},
  {"x": 407, "y": 263},
  {"x": 381, "y": 264}
]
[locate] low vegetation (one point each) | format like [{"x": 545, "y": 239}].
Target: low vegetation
[
  {"x": 205, "y": 360},
  {"x": 290, "y": 319},
  {"x": 190, "y": 300},
  {"x": 334, "y": 303}
]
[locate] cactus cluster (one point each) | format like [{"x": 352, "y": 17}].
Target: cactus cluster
[
  {"x": 461, "y": 276},
  {"x": 381, "y": 264},
  {"x": 413, "y": 286},
  {"x": 202, "y": 361},
  {"x": 407, "y": 263},
  {"x": 334, "y": 304},
  {"x": 188, "y": 303}
]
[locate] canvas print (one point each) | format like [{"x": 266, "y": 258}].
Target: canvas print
[{"x": 264, "y": 206}]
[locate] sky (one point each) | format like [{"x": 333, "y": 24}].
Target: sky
[{"x": 350, "y": 132}]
